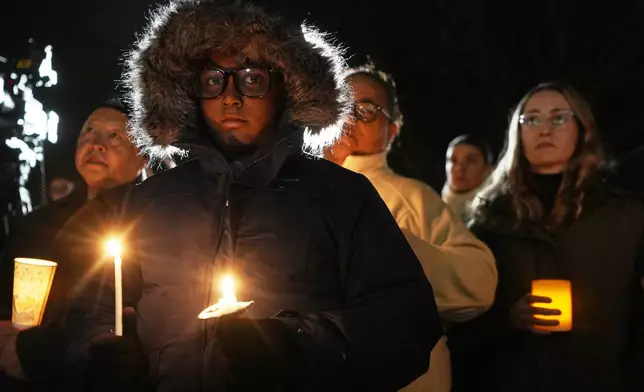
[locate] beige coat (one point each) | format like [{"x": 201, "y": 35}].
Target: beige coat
[{"x": 460, "y": 268}]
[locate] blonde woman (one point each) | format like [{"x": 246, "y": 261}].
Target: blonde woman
[{"x": 548, "y": 212}]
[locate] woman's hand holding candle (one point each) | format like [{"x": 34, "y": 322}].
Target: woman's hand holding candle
[
  {"x": 118, "y": 363},
  {"x": 9, "y": 361},
  {"x": 523, "y": 314}
]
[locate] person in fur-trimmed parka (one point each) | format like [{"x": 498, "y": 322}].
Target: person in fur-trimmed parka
[{"x": 340, "y": 300}]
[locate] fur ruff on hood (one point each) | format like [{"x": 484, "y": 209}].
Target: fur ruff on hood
[{"x": 160, "y": 70}]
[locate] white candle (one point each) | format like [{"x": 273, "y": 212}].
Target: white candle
[{"x": 114, "y": 247}]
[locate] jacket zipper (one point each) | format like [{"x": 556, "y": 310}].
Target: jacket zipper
[
  {"x": 269, "y": 153},
  {"x": 224, "y": 223},
  {"x": 228, "y": 228}
]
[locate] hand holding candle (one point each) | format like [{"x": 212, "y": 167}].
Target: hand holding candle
[
  {"x": 524, "y": 314},
  {"x": 548, "y": 308},
  {"x": 227, "y": 304},
  {"x": 114, "y": 248}
]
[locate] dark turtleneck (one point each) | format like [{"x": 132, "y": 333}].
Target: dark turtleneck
[{"x": 545, "y": 187}]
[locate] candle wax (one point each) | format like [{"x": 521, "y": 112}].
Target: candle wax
[{"x": 118, "y": 297}]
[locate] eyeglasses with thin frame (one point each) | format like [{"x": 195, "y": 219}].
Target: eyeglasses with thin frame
[
  {"x": 254, "y": 82},
  {"x": 367, "y": 111},
  {"x": 555, "y": 120}
]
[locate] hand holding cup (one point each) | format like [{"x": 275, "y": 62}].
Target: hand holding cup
[{"x": 524, "y": 311}]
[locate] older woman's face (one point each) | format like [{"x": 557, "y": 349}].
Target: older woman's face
[
  {"x": 549, "y": 132},
  {"x": 105, "y": 156}
]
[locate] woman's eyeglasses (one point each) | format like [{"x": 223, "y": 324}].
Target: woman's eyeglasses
[
  {"x": 366, "y": 111},
  {"x": 249, "y": 82},
  {"x": 555, "y": 120}
]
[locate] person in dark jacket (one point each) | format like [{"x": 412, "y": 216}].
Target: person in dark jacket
[
  {"x": 60, "y": 188},
  {"x": 340, "y": 300},
  {"x": 105, "y": 159},
  {"x": 550, "y": 212}
]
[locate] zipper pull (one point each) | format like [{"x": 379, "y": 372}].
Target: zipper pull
[{"x": 226, "y": 202}]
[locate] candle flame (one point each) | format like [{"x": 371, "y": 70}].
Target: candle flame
[
  {"x": 227, "y": 303},
  {"x": 114, "y": 247},
  {"x": 228, "y": 288}
]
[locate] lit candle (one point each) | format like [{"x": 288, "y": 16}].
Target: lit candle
[
  {"x": 560, "y": 293},
  {"x": 228, "y": 291},
  {"x": 114, "y": 248},
  {"x": 227, "y": 304}
]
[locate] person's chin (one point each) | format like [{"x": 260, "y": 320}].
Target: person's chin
[
  {"x": 95, "y": 168},
  {"x": 341, "y": 148},
  {"x": 235, "y": 140},
  {"x": 231, "y": 143},
  {"x": 461, "y": 188},
  {"x": 94, "y": 173}
]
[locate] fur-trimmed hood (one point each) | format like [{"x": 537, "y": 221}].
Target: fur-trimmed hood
[{"x": 160, "y": 70}]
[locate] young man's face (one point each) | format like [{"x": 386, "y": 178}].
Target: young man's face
[
  {"x": 105, "y": 156},
  {"x": 238, "y": 120},
  {"x": 466, "y": 167}
]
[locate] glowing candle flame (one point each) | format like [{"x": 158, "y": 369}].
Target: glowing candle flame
[
  {"x": 227, "y": 303},
  {"x": 228, "y": 289},
  {"x": 114, "y": 247}
]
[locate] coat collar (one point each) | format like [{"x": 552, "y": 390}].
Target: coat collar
[
  {"x": 256, "y": 170},
  {"x": 459, "y": 202},
  {"x": 364, "y": 164}
]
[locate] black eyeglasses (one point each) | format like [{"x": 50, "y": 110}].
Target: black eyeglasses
[
  {"x": 249, "y": 82},
  {"x": 366, "y": 111}
]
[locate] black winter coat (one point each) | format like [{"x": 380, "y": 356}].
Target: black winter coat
[
  {"x": 301, "y": 235},
  {"x": 602, "y": 254}
]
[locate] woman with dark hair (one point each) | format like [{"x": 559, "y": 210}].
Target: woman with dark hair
[{"x": 548, "y": 212}]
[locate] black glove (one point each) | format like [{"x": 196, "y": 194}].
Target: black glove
[
  {"x": 118, "y": 363},
  {"x": 261, "y": 353}
]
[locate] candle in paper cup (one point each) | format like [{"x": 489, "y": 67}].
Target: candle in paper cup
[
  {"x": 32, "y": 279},
  {"x": 560, "y": 293},
  {"x": 227, "y": 304},
  {"x": 114, "y": 248}
]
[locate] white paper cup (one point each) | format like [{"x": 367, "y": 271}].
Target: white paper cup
[
  {"x": 222, "y": 309},
  {"x": 32, "y": 279}
]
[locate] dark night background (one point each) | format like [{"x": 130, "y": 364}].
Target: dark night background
[{"x": 459, "y": 65}]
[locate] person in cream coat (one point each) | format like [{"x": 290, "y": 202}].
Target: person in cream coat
[{"x": 460, "y": 268}]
